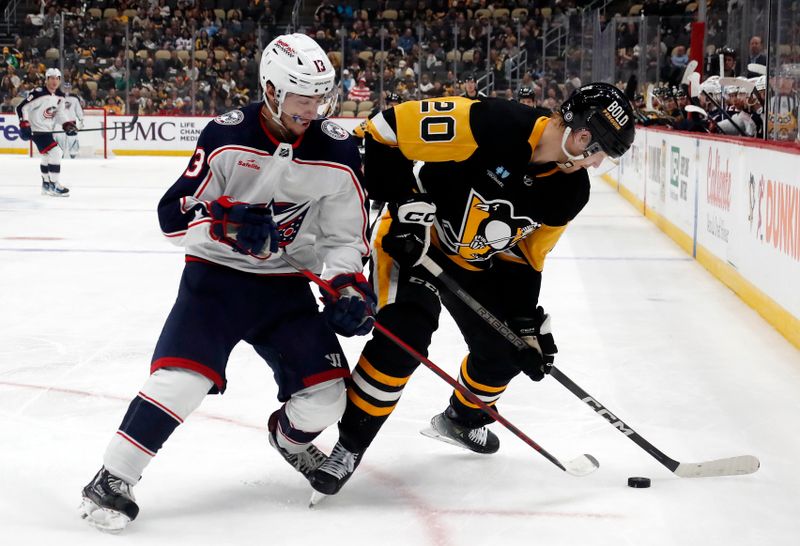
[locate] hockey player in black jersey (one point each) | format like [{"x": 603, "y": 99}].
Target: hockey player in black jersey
[
  {"x": 499, "y": 184},
  {"x": 267, "y": 179}
]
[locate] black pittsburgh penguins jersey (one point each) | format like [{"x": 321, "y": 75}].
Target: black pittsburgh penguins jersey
[{"x": 491, "y": 200}]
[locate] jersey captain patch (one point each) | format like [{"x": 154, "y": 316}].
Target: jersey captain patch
[{"x": 488, "y": 227}]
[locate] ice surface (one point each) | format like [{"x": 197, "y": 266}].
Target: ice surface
[{"x": 86, "y": 282}]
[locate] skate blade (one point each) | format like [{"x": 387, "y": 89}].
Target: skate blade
[
  {"x": 431, "y": 432},
  {"x": 103, "y": 519},
  {"x": 316, "y": 498}
]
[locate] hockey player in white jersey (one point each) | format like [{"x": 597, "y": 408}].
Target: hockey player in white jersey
[
  {"x": 70, "y": 144},
  {"x": 269, "y": 178},
  {"x": 41, "y": 113}
]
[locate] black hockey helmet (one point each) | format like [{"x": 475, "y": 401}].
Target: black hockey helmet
[
  {"x": 727, "y": 51},
  {"x": 393, "y": 97},
  {"x": 606, "y": 112},
  {"x": 525, "y": 93}
]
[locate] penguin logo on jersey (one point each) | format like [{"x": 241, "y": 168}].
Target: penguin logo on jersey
[
  {"x": 489, "y": 227},
  {"x": 288, "y": 218}
]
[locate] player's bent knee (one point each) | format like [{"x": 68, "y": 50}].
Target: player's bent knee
[
  {"x": 54, "y": 155},
  {"x": 179, "y": 390},
  {"x": 315, "y": 408}
]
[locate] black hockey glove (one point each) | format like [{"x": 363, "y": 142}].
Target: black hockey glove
[
  {"x": 70, "y": 129},
  {"x": 25, "y": 132},
  {"x": 409, "y": 234},
  {"x": 536, "y": 361},
  {"x": 353, "y": 312},
  {"x": 248, "y": 229}
]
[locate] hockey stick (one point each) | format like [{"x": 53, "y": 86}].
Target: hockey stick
[
  {"x": 126, "y": 127},
  {"x": 580, "y": 466},
  {"x": 731, "y": 466}
]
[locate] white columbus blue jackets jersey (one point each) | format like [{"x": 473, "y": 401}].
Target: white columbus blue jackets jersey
[
  {"x": 44, "y": 110},
  {"x": 313, "y": 187},
  {"x": 74, "y": 110}
]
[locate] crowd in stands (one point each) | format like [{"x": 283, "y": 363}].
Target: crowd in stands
[{"x": 202, "y": 56}]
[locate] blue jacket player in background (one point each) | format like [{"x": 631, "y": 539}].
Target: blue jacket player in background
[
  {"x": 40, "y": 114},
  {"x": 269, "y": 178}
]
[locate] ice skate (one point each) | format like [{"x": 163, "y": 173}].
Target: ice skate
[
  {"x": 480, "y": 440},
  {"x": 108, "y": 503},
  {"x": 329, "y": 478},
  {"x": 54, "y": 189},
  {"x": 305, "y": 462}
]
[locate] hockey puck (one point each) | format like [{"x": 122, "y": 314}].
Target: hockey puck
[{"x": 638, "y": 482}]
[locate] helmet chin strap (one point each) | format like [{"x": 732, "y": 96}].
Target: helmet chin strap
[
  {"x": 276, "y": 116},
  {"x": 571, "y": 159}
]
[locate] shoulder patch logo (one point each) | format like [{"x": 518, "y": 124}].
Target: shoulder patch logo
[
  {"x": 234, "y": 117},
  {"x": 336, "y": 132}
]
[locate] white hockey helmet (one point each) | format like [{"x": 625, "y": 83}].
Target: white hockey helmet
[
  {"x": 711, "y": 86},
  {"x": 52, "y": 72},
  {"x": 295, "y": 63}
]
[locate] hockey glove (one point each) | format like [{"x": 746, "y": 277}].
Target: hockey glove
[
  {"x": 70, "y": 129},
  {"x": 249, "y": 229},
  {"x": 409, "y": 234},
  {"x": 352, "y": 313},
  {"x": 25, "y": 132},
  {"x": 536, "y": 361}
]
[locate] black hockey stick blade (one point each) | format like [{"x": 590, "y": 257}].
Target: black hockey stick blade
[{"x": 732, "y": 466}]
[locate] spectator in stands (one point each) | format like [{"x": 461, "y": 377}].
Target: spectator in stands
[
  {"x": 148, "y": 80},
  {"x": 114, "y": 104},
  {"x": 10, "y": 82},
  {"x": 7, "y": 107},
  {"x": 756, "y": 55},
  {"x": 347, "y": 81},
  {"x": 184, "y": 41},
  {"x": 407, "y": 40},
  {"x": 425, "y": 86},
  {"x": 13, "y": 57},
  {"x": 360, "y": 92},
  {"x": 117, "y": 72},
  {"x": 325, "y": 14}
]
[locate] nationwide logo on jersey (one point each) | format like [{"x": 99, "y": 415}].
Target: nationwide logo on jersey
[
  {"x": 489, "y": 227},
  {"x": 288, "y": 217},
  {"x": 234, "y": 117}
]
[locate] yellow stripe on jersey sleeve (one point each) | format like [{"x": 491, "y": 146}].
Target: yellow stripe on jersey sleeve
[
  {"x": 381, "y": 130},
  {"x": 538, "y": 244},
  {"x": 435, "y": 129}
]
